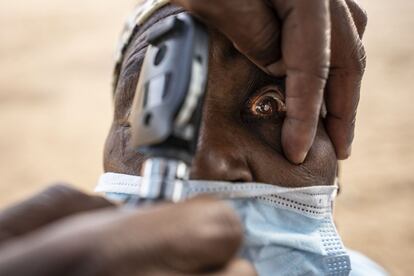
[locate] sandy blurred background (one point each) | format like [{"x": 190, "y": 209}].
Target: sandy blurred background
[{"x": 55, "y": 110}]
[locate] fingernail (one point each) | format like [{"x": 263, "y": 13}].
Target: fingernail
[
  {"x": 300, "y": 157},
  {"x": 348, "y": 151},
  {"x": 303, "y": 157},
  {"x": 345, "y": 154}
]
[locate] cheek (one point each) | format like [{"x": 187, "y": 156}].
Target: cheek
[
  {"x": 321, "y": 158},
  {"x": 267, "y": 133},
  {"x": 269, "y": 165}
]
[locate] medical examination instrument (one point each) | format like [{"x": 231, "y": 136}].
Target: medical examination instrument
[{"x": 167, "y": 108}]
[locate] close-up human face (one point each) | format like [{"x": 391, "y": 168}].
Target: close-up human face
[
  {"x": 292, "y": 98},
  {"x": 240, "y": 137}
]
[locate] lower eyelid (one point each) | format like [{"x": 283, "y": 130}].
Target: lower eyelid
[
  {"x": 247, "y": 117},
  {"x": 276, "y": 116}
]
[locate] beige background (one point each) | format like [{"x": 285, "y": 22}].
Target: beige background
[{"x": 55, "y": 109}]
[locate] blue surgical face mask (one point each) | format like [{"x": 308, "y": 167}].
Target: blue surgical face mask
[{"x": 288, "y": 231}]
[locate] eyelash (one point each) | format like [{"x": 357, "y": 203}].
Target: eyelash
[{"x": 249, "y": 112}]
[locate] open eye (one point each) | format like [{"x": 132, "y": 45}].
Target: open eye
[{"x": 267, "y": 103}]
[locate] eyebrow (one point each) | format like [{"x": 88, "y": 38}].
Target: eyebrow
[
  {"x": 225, "y": 52},
  {"x": 132, "y": 67},
  {"x": 135, "y": 54}
]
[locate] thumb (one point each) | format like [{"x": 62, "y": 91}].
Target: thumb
[
  {"x": 207, "y": 234},
  {"x": 200, "y": 235},
  {"x": 194, "y": 236}
]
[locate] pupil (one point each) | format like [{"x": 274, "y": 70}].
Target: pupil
[{"x": 264, "y": 107}]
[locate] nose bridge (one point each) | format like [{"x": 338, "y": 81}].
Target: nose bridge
[{"x": 220, "y": 153}]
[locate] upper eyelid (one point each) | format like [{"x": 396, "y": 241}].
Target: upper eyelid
[
  {"x": 263, "y": 90},
  {"x": 272, "y": 87}
]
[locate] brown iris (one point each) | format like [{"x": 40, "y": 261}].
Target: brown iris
[{"x": 268, "y": 103}]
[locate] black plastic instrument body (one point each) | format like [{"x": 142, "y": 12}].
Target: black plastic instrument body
[{"x": 167, "y": 108}]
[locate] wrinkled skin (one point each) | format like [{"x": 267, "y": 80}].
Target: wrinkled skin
[
  {"x": 232, "y": 139},
  {"x": 316, "y": 44},
  {"x": 62, "y": 231}
]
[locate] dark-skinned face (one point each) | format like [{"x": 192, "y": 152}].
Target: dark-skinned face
[{"x": 241, "y": 125}]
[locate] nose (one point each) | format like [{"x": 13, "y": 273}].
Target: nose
[{"x": 220, "y": 157}]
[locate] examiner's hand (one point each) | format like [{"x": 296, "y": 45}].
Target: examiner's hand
[
  {"x": 38, "y": 237},
  {"x": 316, "y": 44}
]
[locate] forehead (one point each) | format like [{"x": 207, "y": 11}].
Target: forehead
[
  {"x": 133, "y": 37},
  {"x": 228, "y": 69}
]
